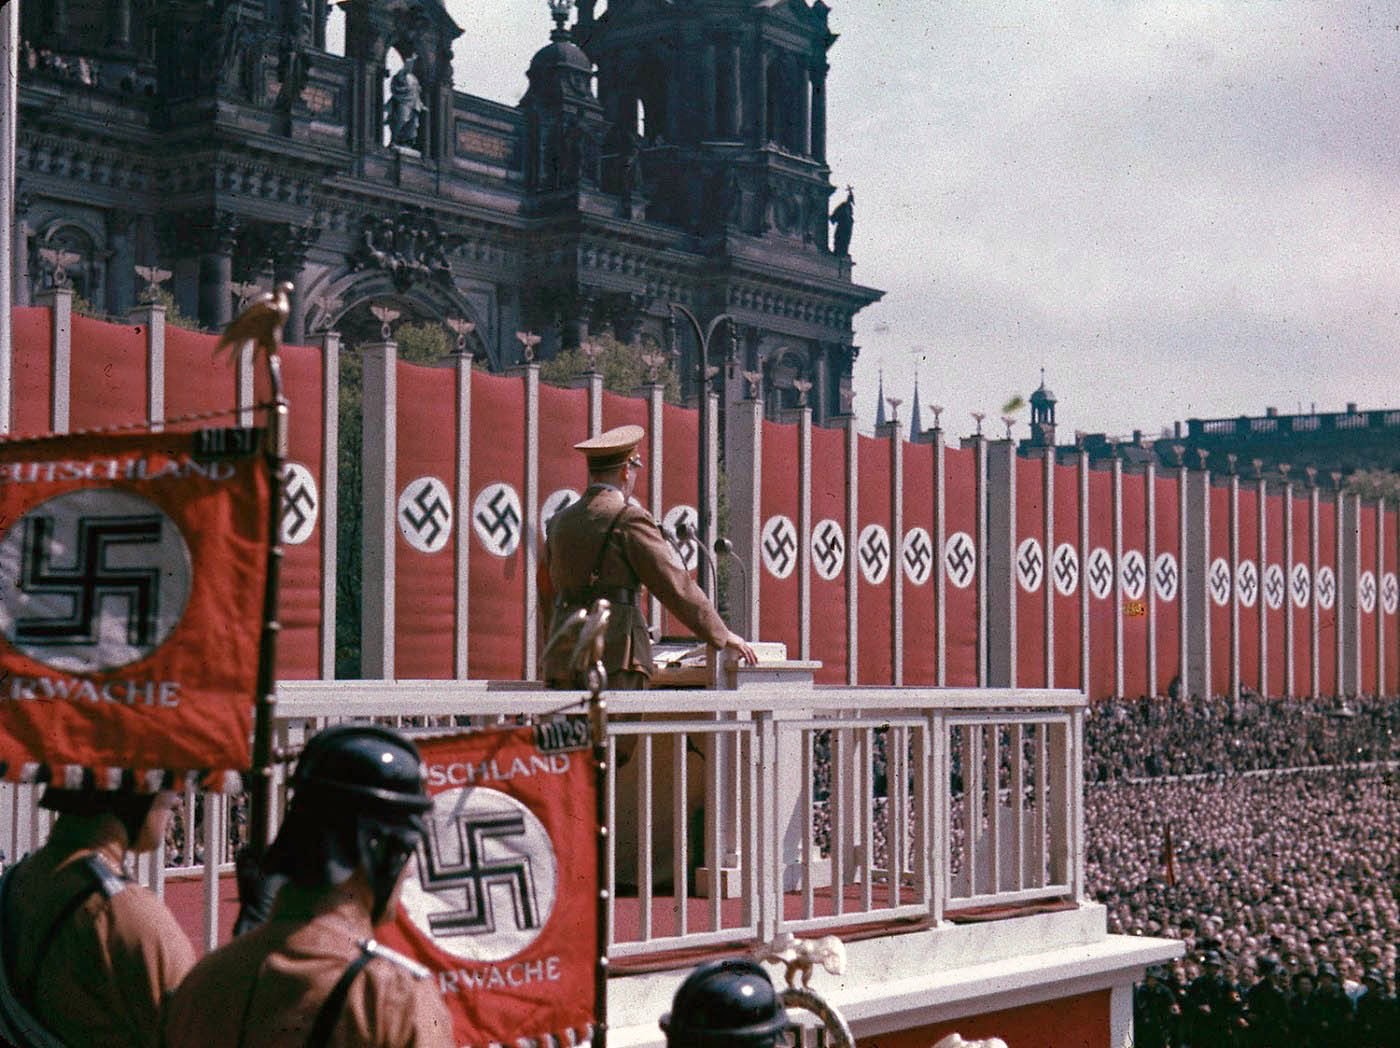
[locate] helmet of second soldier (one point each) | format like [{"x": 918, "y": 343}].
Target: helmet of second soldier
[{"x": 725, "y": 1003}]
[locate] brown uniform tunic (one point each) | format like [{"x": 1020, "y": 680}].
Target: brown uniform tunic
[
  {"x": 103, "y": 970},
  {"x": 265, "y": 989},
  {"x": 637, "y": 555}
]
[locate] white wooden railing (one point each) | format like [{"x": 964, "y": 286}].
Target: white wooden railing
[{"x": 827, "y": 807}]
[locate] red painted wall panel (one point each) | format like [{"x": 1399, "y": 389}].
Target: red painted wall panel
[
  {"x": 776, "y": 573},
  {"x": 1274, "y": 588},
  {"x": 1300, "y": 594},
  {"x": 108, "y": 385},
  {"x": 830, "y": 536},
  {"x": 1030, "y": 602},
  {"x": 299, "y": 644},
  {"x": 680, "y": 434},
  {"x": 1249, "y": 575},
  {"x": 1071, "y": 1022},
  {"x": 1166, "y": 579},
  {"x": 1220, "y": 576},
  {"x": 873, "y": 562},
  {"x": 1390, "y": 598},
  {"x": 31, "y": 331},
  {"x": 1135, "y": 579},
  {"x": 918, "y": 565},
  {"x": 959, "y": 564},
  {"x": 563, "y": 471},
  {"x": 425, "y": 567},
  {"x": 1368, "y": 591},
  {"x": 496, "y": 617},
  {"x": 1066, "y": 574},
  {"x": 1326, "y": 593},
  {"x": 1099, "y": 572},
  {"x": 196, "y": 383}
]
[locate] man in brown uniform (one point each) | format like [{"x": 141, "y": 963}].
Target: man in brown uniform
[
  {"x": 607, "y": 546},
  {"x": 87, "y": 954},
  {"x": 313, "y": 974}
]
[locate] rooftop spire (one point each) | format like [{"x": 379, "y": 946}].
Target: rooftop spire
[
  {"x": 916, "y": 422},
  {"x": 880, "y": 401}
]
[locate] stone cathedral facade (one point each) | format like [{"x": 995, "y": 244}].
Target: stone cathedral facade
[{"x": 665, "y": 153}]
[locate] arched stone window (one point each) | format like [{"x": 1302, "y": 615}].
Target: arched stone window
[{"x": 66, "y": 254}]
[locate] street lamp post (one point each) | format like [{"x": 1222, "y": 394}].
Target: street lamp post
[{"x": 704, "y": 372}]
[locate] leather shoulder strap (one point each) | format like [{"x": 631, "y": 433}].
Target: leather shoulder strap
[{"x": 334, "y": 1005}]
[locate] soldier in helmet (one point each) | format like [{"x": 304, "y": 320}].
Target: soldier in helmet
[
  {"x": 607, "y": 546},
  {"x": 726, "y": 1004},
  {"x": 313, "y": 974},
  {"x": 86, "y": 954}
]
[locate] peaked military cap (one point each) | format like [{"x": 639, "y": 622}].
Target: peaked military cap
[{"x": 611, "y": 449}]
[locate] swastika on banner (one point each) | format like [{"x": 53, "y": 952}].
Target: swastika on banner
[
  {"x": 1066, "y": 569},
  {"x": 1133, "y": 569},
  {"x": 1300, "y": 581},
  {"x": 486, "y": 875},
  {"x": 1220, "y": 581},
  {"x": 960, "y": 559},
  {"x": 873, "y": 549},
  {"x": 1326, "y": 588},
  {"x": 1166, "y": 577},
  {"x": 557, "y": 500},
  {"x": 99, "y": 579},
  {"x": 301, "y": 503},
  {"x": 1100, "y": 571},
  {"x": 1030, "y": 564},
  {"x": 1275, "y": 592},
  {"x": 1247, "y": 582},
  {"x": 778, "y": 544},
  {"x": 690, "y": 517},
  {"x": 917, "y": 555},
  {"x": 425, "y": 514},
  {"x": 828, "y": 548},
  {"x": 1390, "y": 593},
  {"x": 1366, "y": 591},
  {"x": 497, "y": 518}
]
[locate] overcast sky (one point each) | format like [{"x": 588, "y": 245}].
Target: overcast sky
[{"x": 1177, "y": 208}]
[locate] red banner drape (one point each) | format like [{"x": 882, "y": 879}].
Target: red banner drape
[
  {"x": 496, "y": 617},
  {"x": 31, "y": 329},
  {"x": 108, "y": 384},
  {"x": 1327, "y": 591},
  {"x": 1390, "y": 603},
  {"x": 1220, "y": 576},
  {"x": 959, "y": 563},
  {"x": 1028, "y": 572},
  {"x": 1300, "y": 594},
  {"x": 776, "y": 573},
  {"x": 1166, "y": 576},
  {"x": 1274, "y": 592},
  {"x": 1249, "y": 574},
  {"x": 1135, "y": 577},
  {"x": 1099, "y": 572},
  {"x": 425, "y": 566},
  {"x": 875, "y": 565},
  {"x": 918, "y": 566},
  {"x": 830, "y": 537},
  {"x": 1368, "y": 597},
  {"x": 501, "y": 902},
  {"x": 680, "y": 493},
  {"x": 1066, "y": 573},
  {"x": 130, "y": 631},
  {"x": 196, "y": 383}
]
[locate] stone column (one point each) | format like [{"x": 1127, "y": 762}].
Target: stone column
[
  {"x": 709, "y": 126},
  {"x": 761, "y": 96},
  {"x": 120, "y": 17},
  {"x": 216, "y": 271},
  {"x": 121, "y": 274},
  {"x": 23, "y": 290},
  {"x": 294, "y": 243},
  {"x": 818, "y": 122},
  {"x": 804, "y": 114},
  {"x": 734, "y": 119}
]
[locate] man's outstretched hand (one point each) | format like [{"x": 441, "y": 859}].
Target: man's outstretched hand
[{"x": 740, "y": 647}]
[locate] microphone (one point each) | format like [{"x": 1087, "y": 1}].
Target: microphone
[
  {"x": 724, "y": 547},
  {"x": 685, "y": 533}
]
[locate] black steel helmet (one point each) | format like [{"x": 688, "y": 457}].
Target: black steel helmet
[
  {"x": 723, "y": 1003},
  {"x": 363, "y": 766},
  {"x": 357, "y": 803}
]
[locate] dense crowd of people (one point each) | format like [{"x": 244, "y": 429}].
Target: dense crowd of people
[{"x": 1264, "y": 834}]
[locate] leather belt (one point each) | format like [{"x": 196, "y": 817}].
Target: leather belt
[{"x": 582, "y": 598}]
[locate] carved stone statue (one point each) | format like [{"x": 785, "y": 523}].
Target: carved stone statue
[
  {"x": 844, "y": 219},
  {"x": 404, "y": 111}
]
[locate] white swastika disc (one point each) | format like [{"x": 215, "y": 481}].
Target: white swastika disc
[{"x": 425, "y": 514}]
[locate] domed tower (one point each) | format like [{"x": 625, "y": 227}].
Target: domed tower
[
  {"x": 1042, "y": 415},
  {"x": 565, "y": 125}
]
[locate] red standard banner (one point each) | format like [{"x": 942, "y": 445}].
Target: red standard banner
[
  {"x": 132, "y": 573},
  {"x": 502, "y": 903}
]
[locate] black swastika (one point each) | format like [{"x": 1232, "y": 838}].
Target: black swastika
[
  {"x": 1166, "y": 578},
  {"x": 475, "y": 878},
  {"x": 1100, "y": 572},
  {"x": 875, "y": 552},
  {"x": 1390, "y": 594},
  {"x": 1030, "y": 564},
  {"x": 1300, "y": 585},
  {"x": 830, "y": 548},
  {"x": 959, "y": 558},
  {"x": 917, "y": 555},
  {"x": 1248, "y": 582},
  {"x": 427, "y": 523},
  {"x": 1067, "y": 570},
  {"x": 298, "y": 507},
  {"x": 90, "y": 581},
  {"x": 1368, "y": 592},
  {"x": 502, "y": 521},
  {"x": 1326, "y": 587},
  {"x": 1220, "y": 582},
  {"x": 780, "y": 545},
  {"x": 1273, "y": 587},
  {"x": 1134, "y": 574}
]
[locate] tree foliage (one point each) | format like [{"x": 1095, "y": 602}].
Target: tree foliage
[
  {"x": 1375, "y": 483},
  {"x": 620, "y": 364}
]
